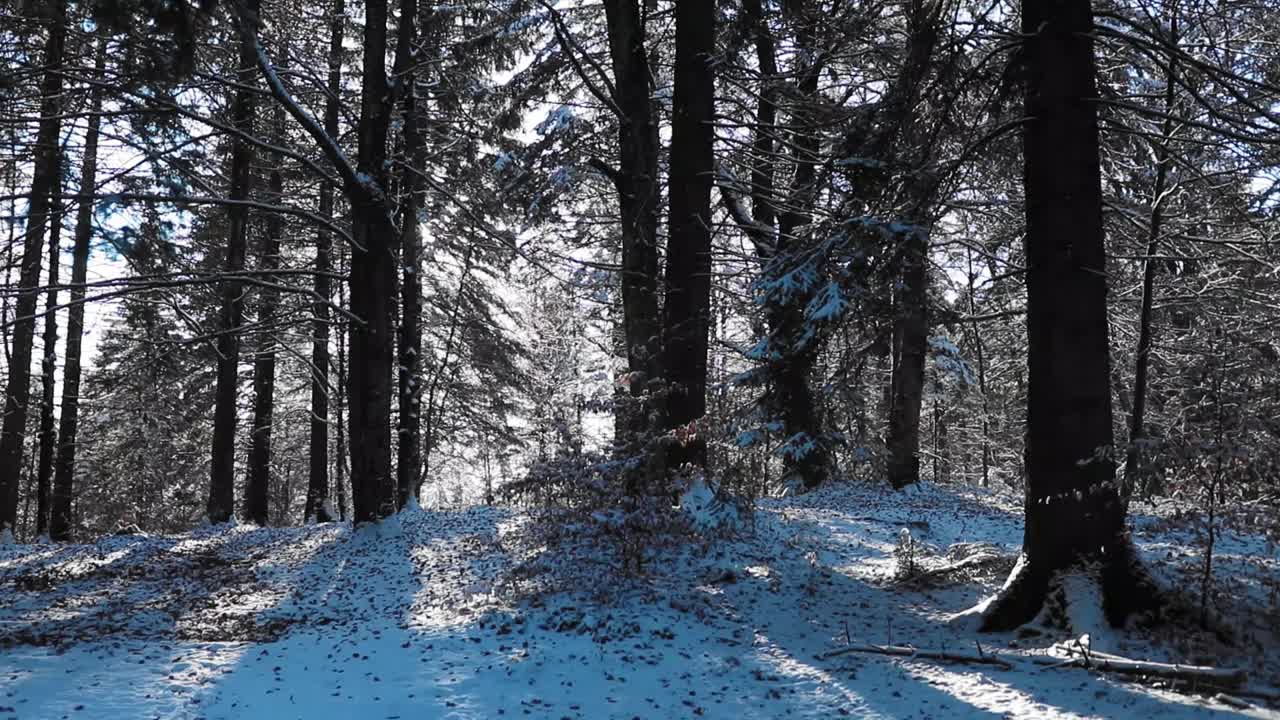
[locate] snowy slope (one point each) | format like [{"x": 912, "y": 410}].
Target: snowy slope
[{"x": 430, "y": 616}]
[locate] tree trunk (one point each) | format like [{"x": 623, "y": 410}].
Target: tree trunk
[
  {"x": 48, "y": 366},
  {"x": 804, "y": 452},
  {"x": 317, "y": 509},
  {"x": 982, "y": 375},
  {"x": 372, "y": 282},
  {"x": 44, "y": 181},
  {"x": 1142, "y": 360},
  {"x": 257, "y": 488},
  {"x": 221, "y": 504},
  {"x": 911, "y": 321},
  {"x": 340, "y": 442},
  {"x": 686, "y": 316},
  {"x": 1073, "y": 509},
  {"x": 637, "y": 186},
  {"x": 912, "y": 349},
  {"x": 409, "y": 429},
  {"x": 68, "y": 423}
]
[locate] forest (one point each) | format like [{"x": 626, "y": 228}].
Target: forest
[{"x": 731, "y": 358}]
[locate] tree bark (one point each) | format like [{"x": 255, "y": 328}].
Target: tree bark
[
  {"x": 48, "y": 366},
  {"x": 1073, "y": 509},
  {"x": 911, "y": 331},
  {"x": 637, "y": 185},
  {"x": 317, "y": 509},
  {"x": 44, "y": 181},
  {"x": 409, "y": 428},
  {"x": 257, "y": 488},
  {"x": 221, "y": 504},
  {"x": 372, "y": 282},
  {"x": 68, "y": 422},
  {"x": 912, "y": 350},
  {"x": 686, "y": 316},
  {"x": 340, "y": 425}
]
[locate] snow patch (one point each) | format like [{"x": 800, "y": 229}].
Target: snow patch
[{"x": 705, "y": 510}]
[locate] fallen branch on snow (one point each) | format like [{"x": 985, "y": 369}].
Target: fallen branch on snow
[
  {"x": 980, "y": 658},
  {"x": 1225, "y": 677},
  {"x": 1228, "y": 677}
]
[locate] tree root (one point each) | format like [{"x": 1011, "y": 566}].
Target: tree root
[{"x": 1126, "y": 589}]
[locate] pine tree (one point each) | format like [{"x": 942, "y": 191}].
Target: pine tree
[
  {"x": 69, "y": 420},
  {"x": 686, "y": 320},
  {"x": 44, "y": 182},
  {"x": 1074, "y": 512}
]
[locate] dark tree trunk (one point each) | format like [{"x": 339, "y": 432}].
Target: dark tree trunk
[
  {"x": 982, "y": 377},
  {"x": 637, "y": 186},
  {"x": 340, "y": 425},
  {"x": 48, "y": 365},
  {"x": 1073, "y": 509},
  {"x": 44, "y": 181},
  {"x": 68, "y": 423},
  {"x": 257, "y": 488},
  {"x": 686, "y": 316},
  {"x": 372, "y": 282},
  {"x": 409, "y": 447},
  {"x": 911, "y": 329},
  {"x": 912, "y": 323},
  {"x": 317, "y": 509},
  {"x": 222, "y": 466}
]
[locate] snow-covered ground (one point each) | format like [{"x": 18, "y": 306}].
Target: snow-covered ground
[{"x": 453, "y": 615}]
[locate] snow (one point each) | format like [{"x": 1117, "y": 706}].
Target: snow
[
  {"x": 708, "y": 512},
  {"x": 457, "y": 614}
]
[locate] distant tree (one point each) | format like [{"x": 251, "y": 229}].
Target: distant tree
[
  {"x": 48, "y": 436},
  {"x": 145, "y": 428},
  {"x": 243, "y": 111},
  {"x": 69, "y": 420},
  {"x": 257, "y": 488},
  {"x": 321, "y": 388}
]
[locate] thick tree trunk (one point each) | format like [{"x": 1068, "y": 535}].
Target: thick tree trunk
[
  {"x": 221, "y": 503},
  {"x": 409, "y": 429},
  {"x": 44, "y": 181},
  {"x": 68, "y": 422},
  {"x": 48, "y": 366},
  {"x": 1073, "y": 509},
  {"x": 637, "y": 186},
  {"x": 686, "y": 316},
  {"x": 257, "y": 488},
  {"x": 372, "y": 282},
  {"x": 317, "y": 509}
]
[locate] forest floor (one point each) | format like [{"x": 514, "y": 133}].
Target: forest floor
[{"x": 452, "y": 614}]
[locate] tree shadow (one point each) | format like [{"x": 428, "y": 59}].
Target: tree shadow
[{"x": 400, "y": 620}]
